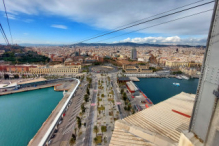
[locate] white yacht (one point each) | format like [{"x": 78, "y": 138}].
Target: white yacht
[
  {"x": 176, "y": 84},
  {"x": 179, "y": 77},
  {"x": 185, "y": 77}
]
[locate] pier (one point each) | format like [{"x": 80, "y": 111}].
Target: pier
[
  {"x": 48, "y": 126},
  {"x": 59, "y": 85}
]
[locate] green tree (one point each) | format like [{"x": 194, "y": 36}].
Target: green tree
[
  {"x": 79, "y": 122},
  {"x": 6, "y": 76},
  {"x": 103, "y": 129},
  {"x": 122, "y": 90},
  {"x": 124, "y": 96},
  {"x": 95, "y": 140},
  {"x": 75, "y": 130},
  {"x": 82, "y": 108},
  {"x": 72, "y": 141},
  {"x": 96, "y": 129},
  {"x": 86, "y": 98},
  {"x": 88, "y": 91},
  {"x": 16, "y": 76}
]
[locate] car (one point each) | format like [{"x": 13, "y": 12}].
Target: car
[
  {"x": 53, "y": 136},
  {"x": 50, "y": 141},
  {"x": 60, "y": 122},
  {"x": 56, "y": 130}
]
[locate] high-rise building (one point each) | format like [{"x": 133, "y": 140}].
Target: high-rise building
[{"x": 134, "y": 54}]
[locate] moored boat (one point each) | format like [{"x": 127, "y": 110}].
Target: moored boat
[
  {"x": 179, "y": 77},
  {"x": 185, "y": 77},
  {"x": 176, "y": 84}
]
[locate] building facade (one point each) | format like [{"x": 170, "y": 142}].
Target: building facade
[
  {"x": 133, "y": 54},
  {"x": 59, "y": 70},
  {"x": 16, "y": 68},
  {"x": 184, "y": 64},
  {"x": 136, "y": 69}
]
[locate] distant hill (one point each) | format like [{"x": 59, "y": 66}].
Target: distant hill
[
  {"x": 14, "y": 47},
  {"x": 113, "y": 44},
  {"x": 20, "y": 55},
  {"x": 132, "y": 45}
]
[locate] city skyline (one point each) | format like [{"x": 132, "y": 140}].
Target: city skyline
[{"x": 67, "y": 22}]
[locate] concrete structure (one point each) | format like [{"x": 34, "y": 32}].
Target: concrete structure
[
  {"x": 136, "y": 69},
  {"x": 16, "y": 68},
  {"x": 59, "y": 70},
  {"x": 43, "y": 134},
  {"x": 133, "y": 54},
  {"x": 205, "y": 118},
  {"x": 159, "y": 125},
  {"x": 178, "y": 64},
  {"x": 131, "y": 87},
  {"x": 146, "y": 75}
]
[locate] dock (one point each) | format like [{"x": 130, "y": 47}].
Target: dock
[
  {"x": 134, "y": 79},
  {"x": 27, "y": 89},
  {"x": 61, "y": 86},
  {"x": 51, "y": 119}
]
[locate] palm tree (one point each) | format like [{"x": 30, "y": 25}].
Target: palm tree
[
  {"x": 103, "y": 129},
  {"x": 95, "y": 140},
  {"x": 96, "y": 130},
  {"x": 75, "y": 130},
  {"x": 72, "y": 141}
]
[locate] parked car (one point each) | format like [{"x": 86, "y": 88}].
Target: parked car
[
  {"x": 60, "y": 122},
  {"x": 53, "y": 136},
  {"x": 56, "y": 131},
  {"x": 50, "y": 141}
]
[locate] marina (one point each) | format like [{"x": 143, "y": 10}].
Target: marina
[{"x": 160, "y": 89}]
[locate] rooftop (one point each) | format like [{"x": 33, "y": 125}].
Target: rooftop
[{"x": 160, "y": 124}]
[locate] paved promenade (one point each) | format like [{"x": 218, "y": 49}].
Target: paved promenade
[{"x": 66, "y": 128}]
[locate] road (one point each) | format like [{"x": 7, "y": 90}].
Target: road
[
  {"x": 89, "y": 129},
  {"x": 117, "y": 98}
]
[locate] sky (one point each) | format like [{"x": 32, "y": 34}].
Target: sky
[{"x": 72, "y": 21}]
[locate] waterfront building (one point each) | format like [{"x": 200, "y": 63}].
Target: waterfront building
[
  {"x": 59, "y": 70},
  {"x": 133, "y": 54},
  {"x": 160, "y": 124},
  {"x": 189, "y": 71},
  {"x": 136, "y": 69},
  {"x": 131, "y": 87},
  {"x": 178, "y": 64},
  {"x": 16, "y": 68}
]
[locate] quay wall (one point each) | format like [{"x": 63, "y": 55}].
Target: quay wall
[{"x": 32, "y": 86}]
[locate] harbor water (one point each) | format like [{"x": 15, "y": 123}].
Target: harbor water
[
  {"x": 160, "y": 89},
  {"x": 22, "y": 114}
]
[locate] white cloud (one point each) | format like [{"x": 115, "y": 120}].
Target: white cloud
[
  {"x": 59, "y": 26},
  {"x": 10, "y": 16},
  {"x": 174, "y": 40},
  {"x": 111, "y": 14}
]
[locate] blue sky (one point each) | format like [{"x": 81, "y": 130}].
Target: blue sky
[{"x": 70, "y": 21}]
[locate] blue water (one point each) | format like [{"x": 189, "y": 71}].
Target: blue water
[
  {"x": 22, "y": 114},
  {"x": 160, "y": 89}
]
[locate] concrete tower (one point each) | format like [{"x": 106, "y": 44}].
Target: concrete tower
[
  {"x": 204, "y": 124},
  {"x": 134, "y": 54}
]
